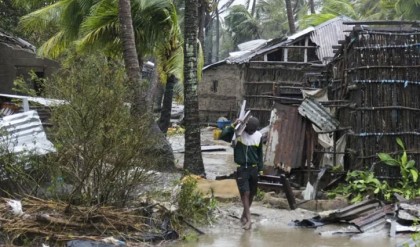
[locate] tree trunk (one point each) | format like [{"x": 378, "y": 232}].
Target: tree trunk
[
  {"x": 290, "y": 17},
  {"x": 201, "y": 22},
  {"x": 158, "y": 97},
  {"x": 217, "y": 34},
  {"x": 131, "y": 62},
  {"x": 165, "y": 115},
  {"x": 138, "y": 90},
  {"x": 312, "y": 6},
  {"x": 254, "y": 3},
  {"x": 209, "y": 44},
  {"x": 193, "y": 160}
]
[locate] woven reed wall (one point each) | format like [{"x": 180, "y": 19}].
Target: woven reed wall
[{"x": 379, "y": 73}]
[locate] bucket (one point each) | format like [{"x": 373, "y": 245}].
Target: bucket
[
  {"x": 222, "y": 124},
  {"x": 216, "y": 134}
]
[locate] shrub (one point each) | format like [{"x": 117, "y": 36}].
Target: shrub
[
  {"x": 192, "y": 204},
  {"x": 102, "y": 151}
]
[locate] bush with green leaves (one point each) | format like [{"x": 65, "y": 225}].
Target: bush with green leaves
[
  {"x": 360, "y": 184},
  {"x": 103, "y": 152},
  {"x": 192, "y": 204},
  {"x": 20, "y": 174},
  {"x": 364, "y": 183},
  {"x": 408, "y": 185}
]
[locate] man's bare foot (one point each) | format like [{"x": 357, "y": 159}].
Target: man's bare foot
[
  {"x": 243, "y": 220},
  {"x": 247, "y": 225}
]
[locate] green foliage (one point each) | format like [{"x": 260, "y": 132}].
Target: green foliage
[
  {"x": 95, "y": 24},
  {"x": 192, "y": 204},
  {"x": 364, "y": 183},
  {"x": 20, "y": 174},
  {"x": 241, "y": 25},
  {"x": 260, "y": 195},
  {"x": 102, "y": 151},
  {"x": 408, "y": 185},
  {"x": 361, "y": 184},
  {"x": 21, "y": 86}
]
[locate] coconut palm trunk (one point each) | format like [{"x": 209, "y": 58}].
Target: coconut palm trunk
[
  {"x": 193, "y": 161},
  {"x": 312, "y": 6},
  {"x": 290, "y": 18},
  {"x": 217, "y": 34},
  {"x": 131, "y": 61},
  {"x": 139, "y": 98},
  {"x": 165, "y": 116}
]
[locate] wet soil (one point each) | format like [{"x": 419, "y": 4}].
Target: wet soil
[{"x": 271, "y": 226}]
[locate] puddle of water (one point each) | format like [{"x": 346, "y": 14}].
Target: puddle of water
[{"x": 286, "y": 237}]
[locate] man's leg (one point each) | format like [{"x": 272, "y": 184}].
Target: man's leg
[
  {"x": 253, "y": 184},
  {"x": 246, "y": 204},
  {"x": 242, "y": 180}
]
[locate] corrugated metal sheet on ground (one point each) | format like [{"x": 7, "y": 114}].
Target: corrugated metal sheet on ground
[
  {"x": 286, "y": 138},
  {"x": 24, "y": 134},
  {"x": 318, "y": 115}
]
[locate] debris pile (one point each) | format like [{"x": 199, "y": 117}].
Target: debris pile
[
  {"x": 370, "y": 216},
  {"x": 61, "y": 222}
]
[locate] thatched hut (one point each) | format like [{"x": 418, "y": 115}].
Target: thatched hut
[{"x": 377, "y": 70}]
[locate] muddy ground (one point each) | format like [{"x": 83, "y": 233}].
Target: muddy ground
[{"x": 271, "y": 225}]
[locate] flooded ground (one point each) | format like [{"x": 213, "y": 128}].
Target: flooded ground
[
  {"x": 288, "y": 237},
  {"x": 271, "y": 226}
]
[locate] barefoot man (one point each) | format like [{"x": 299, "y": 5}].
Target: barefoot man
[{"x": 248, "y": 156}]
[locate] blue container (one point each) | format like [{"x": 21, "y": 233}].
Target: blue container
[{"x": 223, "y": 124}]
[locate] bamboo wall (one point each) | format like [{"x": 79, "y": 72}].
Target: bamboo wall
[
  {"x": 378, "y": 72},
  {"x": 279, "y": 82}
]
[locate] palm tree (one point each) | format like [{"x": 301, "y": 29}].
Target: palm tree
[
  {"x": 241, "y": 25},
  {"x": 273, "y": 17},
  {"x": 130, "y": 57},
  {"x": 290, "y": 18},
  {"x": 408, "y": 10},
  {"x": 97, "y": 25},
  {"x": 193, "y": 160},
  {"x": 311, "y": 6}
]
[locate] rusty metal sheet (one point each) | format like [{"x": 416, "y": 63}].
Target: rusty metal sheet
[
  {"x": 318, "y": 115},
  {"x": 372, "y": 219},
  {"x": 353, "y": 211},
  {"x": 286, "y": 138}
]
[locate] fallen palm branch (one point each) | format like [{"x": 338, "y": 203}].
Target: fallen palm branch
[{"x": 58, "y": 221}]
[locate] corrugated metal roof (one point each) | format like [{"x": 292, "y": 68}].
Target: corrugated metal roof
[
  {"x": 318, "y": 115},
  {"x": 324, "y": 36},
  {"x": 301, "y": 33},
  {"x": 328, "y": 34},
  {"x": 16, "y": 42},
  {"x": 24, "y": 134},
  {"x": 39, "y": 100},
  {"x": 251, "y": 45}
]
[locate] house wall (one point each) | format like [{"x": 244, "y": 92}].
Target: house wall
[
  {"x": 15, "y": 62},
  {"x": 220, "y": 92},
  {"x": 378, "y": 73},
  {"x": 268, "y": 82}
]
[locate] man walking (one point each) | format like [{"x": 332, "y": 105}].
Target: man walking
[{"x": 248, "y": 156}]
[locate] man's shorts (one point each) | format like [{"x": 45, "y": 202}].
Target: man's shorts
[{"x": 247, "y": 179}]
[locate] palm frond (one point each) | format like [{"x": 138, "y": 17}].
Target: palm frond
[
  {"x": 43, "y": 18},
  {"x": 339, "y": 7},
  {"x": 100, "y": 27},
  {"x": 55, "y": 45},
  {"x": 315, "y": 20}
]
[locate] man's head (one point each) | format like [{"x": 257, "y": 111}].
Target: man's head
[{"x": 252, "y": 125}]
